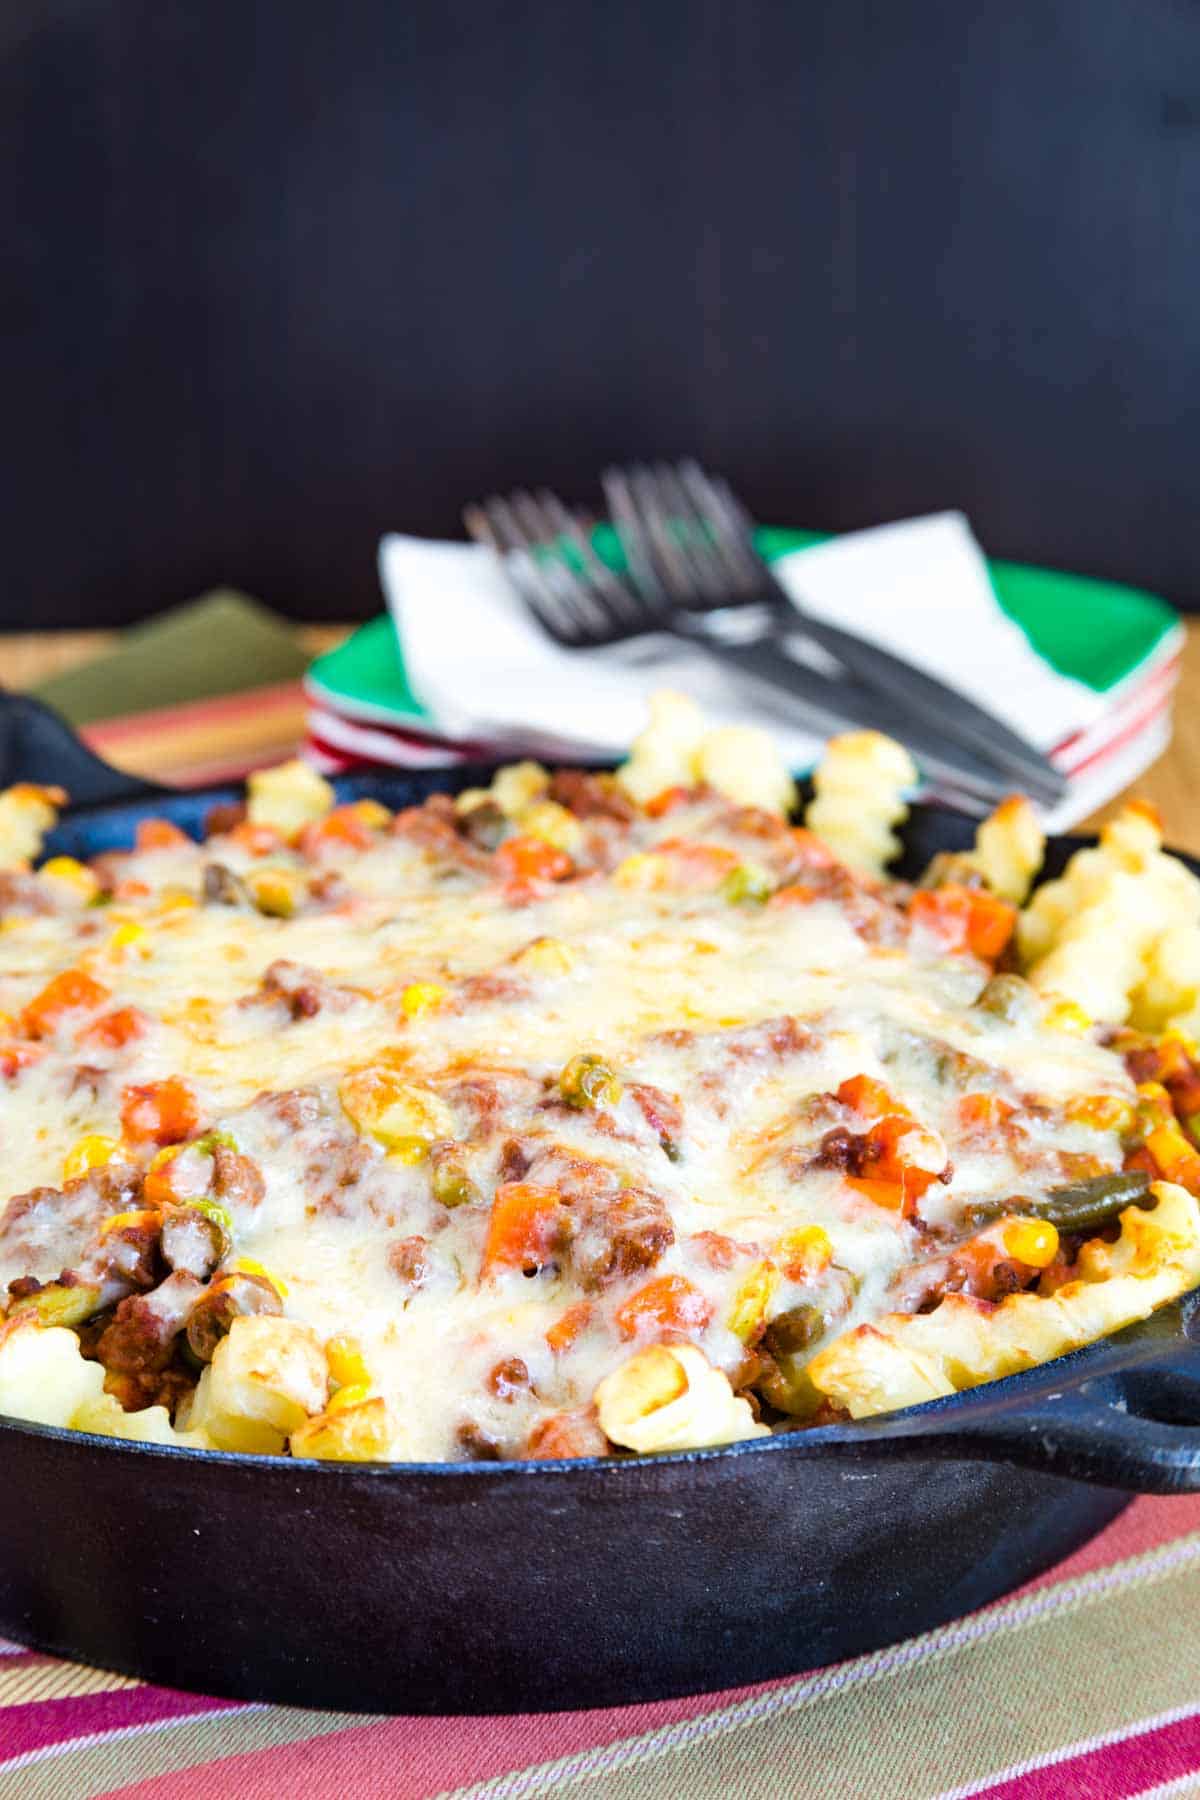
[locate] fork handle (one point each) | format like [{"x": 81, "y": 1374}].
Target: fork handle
[
  {"x": 827, "y": 706},
  {"x": 956, "y": 718}
]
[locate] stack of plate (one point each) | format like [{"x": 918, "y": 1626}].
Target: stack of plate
[{"x": 1120, "y": 649}]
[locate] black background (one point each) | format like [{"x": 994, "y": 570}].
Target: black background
[{"x": 282, "y": 275}]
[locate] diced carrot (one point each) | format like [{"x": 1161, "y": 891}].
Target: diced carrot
[
  {"x": 942, "y": 912},
  {"x": 963, "y": 918},
  {"x": 990, "y": 925},
  {"x": 668, "y": 1303},
  {"x": 983, "y": 1112},
  {"x": 883, "y": 1146},
  {"x": 113, "y": 1030},
  {"x": 159, "y": 1112},
  {"x": 158, "y": 1188},
  {"x": 177, "y": 1173},
  {"x": 1174, "y": 1157},
  {"x": 567, "y": 1327},
  {"x": 523, "y": 859},
  {"x": 565, "y": 1434},
  {"x": 523, "y": 1229},
  {"x": 794, "y": 894},
  {"x": 814, "y": 852},
  {"x": 70, "y": 991},
  {"x": 1103, "y": 1112},
  {"x": 888, "y": 1194},
  {"x": 718, "y": 1251},
  {"x": 667, "y": 802},
  {"x": 159, "y": 834},
  {"x": 130, "y": 889},
  {"x": 868, "y": 1097},
  {"x": 1185, "y": 1093},
  {"x": 258, "y": 840},
  {"x": 1148, "y": 811},
  {"x": 1171, "y": 1059},
  {"x": 15, "y": 1057},
  {"x": 343, "y": 828},
  {"x": 695, "y": 864},
  {"x": 884, "y": 1157}
]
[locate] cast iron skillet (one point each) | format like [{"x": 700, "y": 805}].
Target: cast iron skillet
[{"x": 481, "y": 1587}]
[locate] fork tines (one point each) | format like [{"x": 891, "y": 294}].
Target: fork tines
[{"x": 548, "y": 552}]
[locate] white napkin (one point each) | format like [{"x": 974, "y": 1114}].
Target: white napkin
[{"x": 484, "y": 670}]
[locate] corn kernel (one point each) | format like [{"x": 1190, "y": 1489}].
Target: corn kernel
[
  {"x": 1031, "y": 1241},
  {"x": 127, "y": 935},
  {"x": 372, "y": 813},
  {"x": 1066, "y": 1016},
  {"x": 750, "y": 1303},
  {"x": 1103, "y": 1112},
  {"x": 400, "y": 1115},
  {"x": 805, "y": 1253},
  {"x": 347, "y": 1364},
  {"x": 547, "y": 956},
  {"x": 250, "y": 1265},
  {"x": 173, "y": 900},
  {"x": 142, "y": 1215},
  {"x": 353, "y": 1395},
  {"x": 553, "y": 824},
  {"x": 644, "y": 869},
  {"x": 72, "y": 874},
  {"x": 89, "y": 1152},
  {"x": 408, "y": 1150},
  {"x": 275, "y": 891},
  {"x": 420, "y": 997}
]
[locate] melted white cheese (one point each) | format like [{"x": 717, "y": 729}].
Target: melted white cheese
[{"x": 667, "y": 986}]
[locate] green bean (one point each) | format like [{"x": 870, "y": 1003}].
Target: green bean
[{"x": 1079, "y": 1206}]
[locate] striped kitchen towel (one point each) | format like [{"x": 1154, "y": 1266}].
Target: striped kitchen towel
[{"x": 1085, "y": 1683}]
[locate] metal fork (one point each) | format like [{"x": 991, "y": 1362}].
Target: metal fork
[
  {"x": 689, "y": 543},
  {"x": 581, "y": 603}
]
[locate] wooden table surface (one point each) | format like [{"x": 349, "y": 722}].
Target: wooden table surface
[{"x": 1173, "y": 783}]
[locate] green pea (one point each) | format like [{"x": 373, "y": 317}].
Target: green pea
[
  {"x": 748, "y": 884},
  {"x": 588, "y": 1081}
]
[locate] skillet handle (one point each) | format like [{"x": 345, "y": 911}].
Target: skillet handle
[
  {"x": 36, "y": 744},
  {"x": 1126, "y": 1418}
]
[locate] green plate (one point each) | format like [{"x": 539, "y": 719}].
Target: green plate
[{"x": 1094, "y": 630}]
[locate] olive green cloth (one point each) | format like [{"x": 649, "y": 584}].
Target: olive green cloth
[{"x": 223, "y": 643}]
